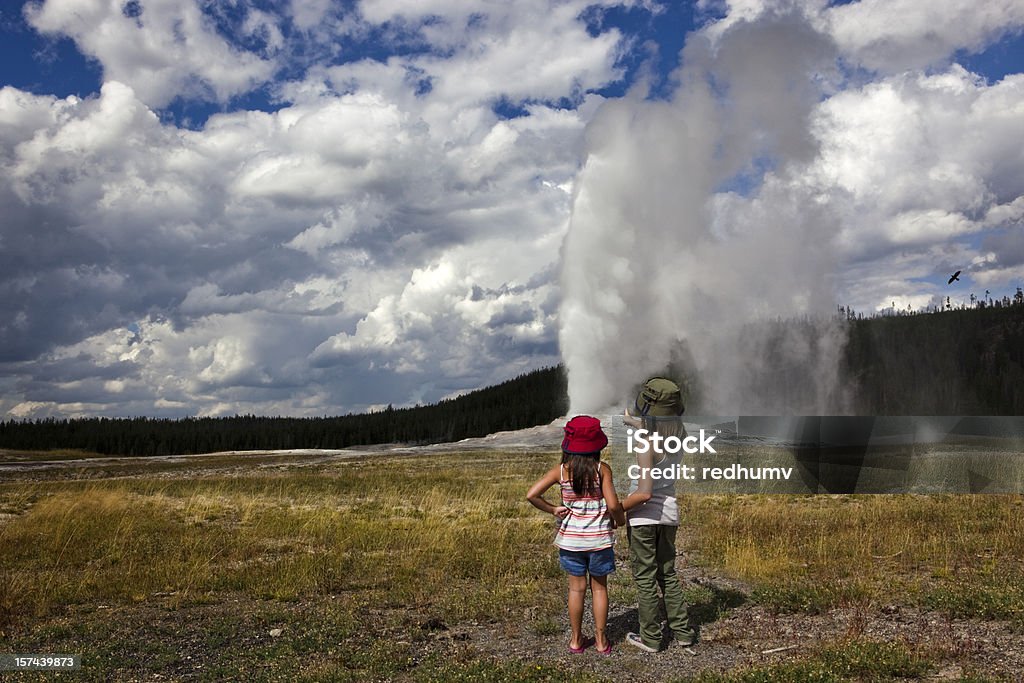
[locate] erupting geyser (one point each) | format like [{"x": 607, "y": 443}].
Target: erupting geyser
[{"x": 690, "y": 227}]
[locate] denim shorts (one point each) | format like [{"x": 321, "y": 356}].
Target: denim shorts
[{"x": 583, "y": 562}]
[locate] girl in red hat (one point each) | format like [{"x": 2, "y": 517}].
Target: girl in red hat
[{"x": 587, "y": 517}]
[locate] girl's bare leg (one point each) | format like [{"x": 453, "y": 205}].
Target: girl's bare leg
[
  {"x": 577, "y": 594},
  {"x": 599, "y": 594}
]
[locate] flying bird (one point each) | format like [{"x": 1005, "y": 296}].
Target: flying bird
[{"x": 955, "y": 277}]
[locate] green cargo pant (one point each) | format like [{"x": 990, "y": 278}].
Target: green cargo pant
[{"x": 652, "y": 553}]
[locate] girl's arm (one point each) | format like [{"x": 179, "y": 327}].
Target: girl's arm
[
  {"x": 643, "y": 460},
  {"x": 644, "y": 484},
  {"x": 611, "y": 498},
  {"x": 536, "y": 493}
]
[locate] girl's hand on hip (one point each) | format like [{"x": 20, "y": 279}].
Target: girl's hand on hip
[{"x": 560, "y": 511}]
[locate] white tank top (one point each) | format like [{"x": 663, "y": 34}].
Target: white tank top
[{"x": 662, "y": 507}]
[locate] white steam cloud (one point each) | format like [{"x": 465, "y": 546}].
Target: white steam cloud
[{"x": 679, "y": 250}]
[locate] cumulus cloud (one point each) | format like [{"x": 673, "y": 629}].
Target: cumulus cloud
[
  {"x": 892, "y": 36},
  {"x": 369, "y": 242},
  {"x": 919, "y": 169},
  {"x": 162, "y": 49},
  {"x": 886, "y": 36}
]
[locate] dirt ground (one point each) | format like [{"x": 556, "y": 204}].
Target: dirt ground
[
  {"x": 221, "y": 641},
  {"x": 748, "y": 635}
]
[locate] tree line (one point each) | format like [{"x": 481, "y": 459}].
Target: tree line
[
  {"x": 530, "y": 399},
  {"x": 958, "y": 361}
]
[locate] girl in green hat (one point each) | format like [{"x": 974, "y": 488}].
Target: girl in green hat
[{"x": 653, "y": 518}]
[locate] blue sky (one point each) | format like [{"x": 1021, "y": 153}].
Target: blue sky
[{"x": 307, "y": 206}]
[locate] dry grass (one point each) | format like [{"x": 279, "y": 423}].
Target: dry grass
[
  {"x": 436, "y": 533},
  {"x": 962, "y": 554},
  {"x": 450, "y": 536},
  {"x": 452, "y": 532}
]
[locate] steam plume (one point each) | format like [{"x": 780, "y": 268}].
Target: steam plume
[{"x": 660, "y": 258}]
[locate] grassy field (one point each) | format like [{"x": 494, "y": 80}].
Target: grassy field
[{"x": 434, "y": 568}]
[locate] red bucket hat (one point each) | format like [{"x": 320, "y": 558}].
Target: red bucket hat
[{"x": 583, "y": 435}]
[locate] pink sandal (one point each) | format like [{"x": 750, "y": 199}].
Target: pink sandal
[{"x": 587, "y": 642}]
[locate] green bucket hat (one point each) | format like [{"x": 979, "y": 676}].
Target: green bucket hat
[{"x": 659, "y": 397}]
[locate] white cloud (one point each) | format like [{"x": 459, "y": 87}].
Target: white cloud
[
  {"x": 337, "y": 227},
  {"x": 170, "y": 49},
  {"x": 411, "y": 231},
  {"x": 1002, "y": 277},
  {"x": 501, "y": 49},
  {"x": 308, "y": 14},
  {"x": 451, "y": 314},
  {"x": 918, "y": 168},
  {"x": 893, "y": 35},
  {"x": 918, "y": 176},
  {"x": 888, "y": 36},
  {"x": 549, "y": 60},
  {"x": 22, "y": 113},
  {"x": 903, "y": 302},
  {"x": 915, "y": 141}
]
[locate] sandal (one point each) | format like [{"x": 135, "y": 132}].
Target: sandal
[{"x": 579, "y": 650}]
